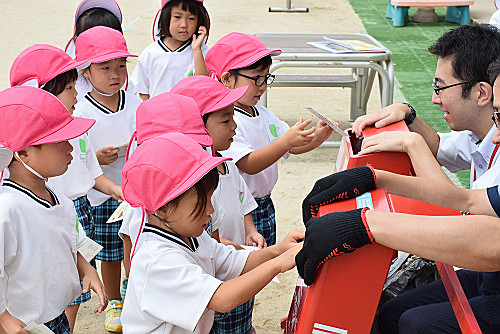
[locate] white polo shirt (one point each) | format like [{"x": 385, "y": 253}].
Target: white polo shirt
[
  {"x": 38, "y": 247},
  {"x": 171, "y": 282},
  {"x": 159, "y": 68},
  {"x": 82, "y": 172},
  {"x": 234, "y": 196},
  {"x": 110, "y": 129},
  {"x": 462, "y": 150},
  {"x": 255, "y": 132}
]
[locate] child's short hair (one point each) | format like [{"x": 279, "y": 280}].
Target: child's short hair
[
  {"x": 56, "y": 86},
  {"x": 97, "y": 17},
  {"x": 193, "y": 6},
  {"x": 203, "y": 187},
  {"x": 261, "y": 64}
]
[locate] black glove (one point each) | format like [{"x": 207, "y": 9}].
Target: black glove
[
  {"x": 331, "y": 235},
  {"x": 342, "y": 185}
]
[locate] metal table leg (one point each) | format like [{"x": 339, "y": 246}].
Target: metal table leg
[{"x": 289, "y": 8}]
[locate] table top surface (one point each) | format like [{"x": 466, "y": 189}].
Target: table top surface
[{"x": 294, "y": 46}]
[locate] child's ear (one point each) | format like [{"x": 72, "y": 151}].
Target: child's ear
[
  {"x": 225, "y": 78},
  {"x": 85, "y": 72}
]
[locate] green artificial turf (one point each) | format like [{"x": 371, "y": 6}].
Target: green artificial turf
[{"x": 414, "y": 66}]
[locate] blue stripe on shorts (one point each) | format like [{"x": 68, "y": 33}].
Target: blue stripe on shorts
[
  {"x": 264, "y": 219},
  {"x": 107, "y": 234},
  {"x": 59, "y": 325},
  {"x": 236, "y": 321},
  {"x": 84, "y": 212}
]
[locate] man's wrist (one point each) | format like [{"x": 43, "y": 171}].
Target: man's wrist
[{"x": 409, "y": 119}]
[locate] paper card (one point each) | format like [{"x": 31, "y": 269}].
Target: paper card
[
  {"x": 118, "y": 214},
  {"x": 38, "y": 329},
  {"x": 327, "y": 121},
  {"x": 89, "y": 249},
  {"x": 254, "y": 248},
  {"x": 122, "y": 149}
]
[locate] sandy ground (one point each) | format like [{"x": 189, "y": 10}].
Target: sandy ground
[{"x": 51, "y": 21}]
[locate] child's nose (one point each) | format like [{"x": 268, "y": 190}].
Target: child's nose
[{"x": 210, "y": 208}]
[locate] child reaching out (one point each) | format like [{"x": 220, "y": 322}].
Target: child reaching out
[
  {"x": 239, "y": 60},
  {"x": 178, "y": 262},
  {"x": 39, "y": 261},
  {"x": 114, "y": 111},
  {"x": 216, "y": 103},
  {"x": 178, "y": 50}
]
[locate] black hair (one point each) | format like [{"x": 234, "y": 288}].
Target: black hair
[
  {"x": 192, "y": 6},
  {"x": 205, "y": 117},
  {"x": 203, "y": 187},
  {"x": 97, "y": 17},
  {"x": 471, "y": 48},
  {"x": 494, "y": 70},
  {"x": 56, "y": 86}
]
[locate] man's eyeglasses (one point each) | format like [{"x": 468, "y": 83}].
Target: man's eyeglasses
[
  {"x": 260, "y": 79},
  {"x": 437, "y": 88},
  {"x": 496, "y": 119}
]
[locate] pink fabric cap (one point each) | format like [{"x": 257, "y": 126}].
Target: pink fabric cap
[
  {"x": 163, "y": 168},
  {"x": 171, "y": 113},
  {"x": 100, "y": 44},
  {"x": 32, "y": 116},
  {"x": 235, "y": 50},
  {"x": 156, "y": 31},
  {"x": 209, "y": 94},
  {"x": 41, "y": 63}
]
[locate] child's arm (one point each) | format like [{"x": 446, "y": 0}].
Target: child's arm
[
  {"x": 258, "y": 160},
  {"x": 322, "y": 132},
  {"x": 259, "y": 270},
  {"x": 90, "y": 280},
  {"x": 199, "y": 61},
  {"x": 107, "y": 155},
  {"x": 228, "y": 242},
  {"x": 11, "y": 324},
  {"x": 252, "y": 237},
  {"x": 105, "y": 185}
]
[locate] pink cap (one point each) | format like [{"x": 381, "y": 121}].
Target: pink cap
[
  {"x": 209, "y": 94},
  {"x": 100, "y": 44},
  {"x": 110, "y": 5},
  {"x": 156, "y": 31},
  {"x": 170, "y": 113},
  {"x": 32, "y": 116},
  {"x": 41, "y": 63},
  {"x": 163, "y": 168},
  {"x": 235, "y": 50}
]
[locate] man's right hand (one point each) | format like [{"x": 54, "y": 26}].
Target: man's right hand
[{"x": 388, "y": 115}]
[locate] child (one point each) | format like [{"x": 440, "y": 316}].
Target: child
[
  {"x": 239, "y": 60},
  {"x": 180, "y": 275},
  {"x": 166, "y": 61},
  {"x": 216, "y": 103},
  {"x": 54, "y": 71},
  {"x": 114, "y": 112},
  {"x": 39, "y": 262}
]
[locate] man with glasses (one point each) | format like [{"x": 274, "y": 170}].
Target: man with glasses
[{"x": 463, "y": 92}]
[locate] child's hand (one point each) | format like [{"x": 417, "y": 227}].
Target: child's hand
[
  {"x": 11, "y": 324},
  {"x": 107, "y": 155},
  {"x": 323, "y": 131},
  {"x": 198, "y": 40},
  {"x": 292, "y": 238},
  {"x": 254, "y": 238},
  {"x": 91, "y": 280},
  {"x": 287, "y": 259},
  {"x": 297, "y": 136},
  {"x": 117, "y": 193},
  {"x": 392, "y": 141}
]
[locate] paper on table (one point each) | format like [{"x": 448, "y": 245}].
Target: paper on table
[
  {"x": 118, "y": 214},
  {"x": 37, "y": 329},
  {"x": 89, "y": 249},
  {"x": 345, "y": 46},
  {"x": 327, "y": 121}
]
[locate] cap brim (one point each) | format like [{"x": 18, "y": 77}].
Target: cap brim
[
  {"x": 5, "y": 158},
  {"x": 232, "y": 96},
  {"x": 255, "y": 57},
  {"x": 76, "y": 127},
  {"x": 112, "y": 55},
  {"x": 203, "y": 140},
  {"x": 195, "y": 177}
]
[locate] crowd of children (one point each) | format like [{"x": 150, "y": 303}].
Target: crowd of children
[{"x": 76, "y": 140}]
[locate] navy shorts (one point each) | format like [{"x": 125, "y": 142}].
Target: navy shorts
[
  {"x": 59, "y": 325},
  {"x": 107, "y": 234},
  {"x": 84, "y": 212},
  {"x": 264, "y": 219},
  {"x": 236, "y": 321}
]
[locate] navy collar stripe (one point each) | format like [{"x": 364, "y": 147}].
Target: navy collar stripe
[
  {"x": 95, "y": 103},
  {"x": 45, "y": 203},
  {"x": 179, "y": 49},
  {"x": 193, "y": 243},
  {"x": 246, "y": 113}
]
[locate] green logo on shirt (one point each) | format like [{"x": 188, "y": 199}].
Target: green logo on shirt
[
  {"x": 82, "y": 145},
  {"x": 272, "y": 128}
]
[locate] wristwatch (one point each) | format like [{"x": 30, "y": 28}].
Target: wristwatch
[{"x": 408, "y": 120}]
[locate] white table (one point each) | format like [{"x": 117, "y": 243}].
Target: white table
[{"x": 365, "y": 65}]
